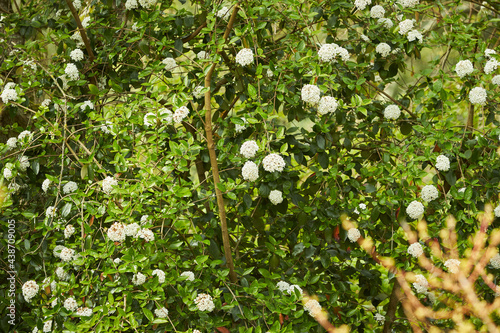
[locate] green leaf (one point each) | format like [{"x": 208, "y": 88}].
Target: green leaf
[
  {"x": 148, "y": 314},
  {"x": 252, "y": 92},
  {"x": 93, "y": 89},
  {"x": 66, "y": 209},
  {"x": 178, "y": 46}
]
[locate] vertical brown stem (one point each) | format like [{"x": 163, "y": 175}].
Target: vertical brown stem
[
  {"x": 470, "y": 117},
  {"x": 392, "y": 307}
]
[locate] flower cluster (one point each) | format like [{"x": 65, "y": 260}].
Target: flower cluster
[
  {"x": 62, "y": 274},
  {"x": 383, "y": 49},
  {"x": 420, "y": 284},
  {"x": 310, "y": 94},
  {"x": 463, "y": 68},
  {"x": 146, "y": 234},
  {"x": 149, "y": 119},
  {"x": 408, "y": 3},
  {"x": 415, "y": 250},
  {"x": 23, "y": 162},
  {"x": 249, "y": 148},
  {"x": 327, "y": 104},
  {"x": 414, "y": 34},
  {"x": 76, "y": 55},
  {"x": 67, "y": 254},
  {"x": 353, "y": 234},
  {"x": 160, "y": 274},
  {"x": 442, "y": 163},
  {"x": 198, "y": 92},
  {"x": 250, "y": 171},
  {"x": 131, "y": 4},
  {"x": 361, "y": 4},
  {"x": 244, "y": 57},
  {"x": 70, "y": 304},
  {"x": 495, "y": 261},
  {"x": 385, "y": 22},
  {"x": 189, "y": 275},
  {"x": 415, "y": 210},
  {"x": 380, "y": 318},
  {"x": 330, "y": 52},
  {"x": 69, "y": 231},
  {"x": 377, "y": 11},
  {"x": 84, "y": 312},
  {"x": 477, "y": 95},
  {"x": 11, "y": 143},
  {"x": 30, "y": 289},
  {"x": 429, "y": 193},
  {"x": 204, "y": 302},
  {"x": 147, "y": 3},
  {"x": 276, "y": 197},
  {"x": 491, "y": 66},
  {"x": 405, "y": 26},
  {"x": 116, "y": 232},
  {"x": 313, "y": 308},
  {"x": 132, "y": 229},
  {"x": 180, "y": 114},
  {"x": 138, "y": 279},
  {"x": 161, "y": 313},
  {"x": 240, "y": 128},
  {"x": 72, "y": 72},
  {"x": 86, "y": 104},
  {"x": 496, "y": 80},
  {"x": 273, "y": 162},
  {"x": 51, "y": 211},
  {"x": 108, "y": 183},
  {"x": 169, "y": 63},
  {"x": 70, "y": 187},
  {"x": 45, "y": 185},
  {"x": 9, "y": 93},
  {"x": 452, "y": 265},
  {"x": 392, "y": 112},
  {"x": 223, "y": 13}
]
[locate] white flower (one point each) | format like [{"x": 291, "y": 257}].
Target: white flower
[
  {"x": 365, "y": 38},
  {"x": 147, "y": 3},
  {"x": 169, "y": 63},
  {"x": 496, "y": 80},
  {"x": 53, "y": 304},
  {"x": 11, "y": 143},
  {"x": 204, "y": 302},
  {"x": 62, "y": 274},
  {"x": 491, "y": 66},
  {"x": 117, "y": 261},
  {"x": 57, "y": 251},
  {"x": 180, "y": 114},
  {"x": 77, "y": 4},
  {"x": 442, "y": 163},
  {"x": 9, "y": 94},
  {"x": 198, "y": 92},
  {"x": 45, "y": 185},
  {"x": 327, "y": 104},
  {"x": 135, "y": 27},
  {"x": 166, "y": 115},
  {"x": 69, "y": 231},
  {"x": 415, "y": 250},
  {"x": 380, "y": 318},
  {"x": 353, "y": 234},
  {"x": 377, "y": 11},
  {"x": 362, "y": 206},
  {"x": 131, "y": 4},
  {"x": 273, "y": 162},
  {"x": 291, "y": 289},
  {"x": 149, "y": 119},
  {"x": 415, "y": 210},
  {"x": 161, "y": 313},
  {"x": 86, "y": 104},
  {"x": 250, "y": 171},
  {"x": 24, "y": 162},
  {"x": 132, "y": 229},
  {"x": 146, "y": 234},
  {"x": 383, "y": 49},
  {"x": 429, "y": 193},
  {"x": 478, "y": 95},
  {"x": 392, "y": 112},
  {"x": 240, "y": 128},
  {"x": 310, "y": 94},
  {"x": 414, "y": 34},
  {"x": 160, "y": 274},
  {"x": 76, "y": 55},
  {"x": 269, "y": 73},
  {"x": 196, "y": 331},
  {"x": 313, "y": 307},
  {"x": 494, "y": 261},
  {"x": 452, "y": 265},
  {"x": 463, "y": 68},
  {"x": 84, "y": 312},
  {"x": 144, "y": 219},
  {"x": 116, "y": 232},
  {"x": 67, "y": 254},
  {"x": 202, "y": 55},
  {"x": 7, "y": 173},
  {"x": 489, "y": 52},
  {"x": 361, "y": 4},
  {"x": 86, "y": 22},
  {"x": 249, "y": 148},
  {"x": 108, "y": 183},
  {"x": 51, "y": 211},
  {"x": 47, "y": 326},
  {"x": 70, "y": 187},
  {"x": 420, "y": 284},
  {"x": 405, "y": 26},
  {"x": 30, "y": 289},
  {"x": 70, "y": 304},
  {"x": 283, "y": 286},
  {"x": 138, "y": 279},
  {"x": 276, "y": 197},
  {"x": 386, "y": 23},
  {"x": 408, "y": 3},
  {"x": 329, "y": 53},
  {"x": 497, "y": 211},
  {"x": 72, "y": 72},
  {"x": 189, "y": 275},
  {"x": 223, "y": 13},
  {"x": 46, "y": 102},
  {"x": 244, "y": 57}
]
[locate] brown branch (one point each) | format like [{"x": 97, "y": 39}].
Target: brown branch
[
  {"x": 195, "y": 33},
  {"x": 392, "y": 307},
  {"x": 82, "y": 30}
]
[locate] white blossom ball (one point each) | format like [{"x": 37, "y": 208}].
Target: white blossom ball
[
  {"x": 377, "y": 11},
  {"x": 276, "y": 197},
  {"x": 132, "y": 229},
  {"x": 204, "y": 302},
  {"x": 442, "y": 163},
  {"x": 45, "y": 185},
  {"x": 310, "y": 94},
  {"x": 496, "y": 80},
  {"x": 429, "y": 193},
  {"x": 166, "y": 115},
  {"x": 84, "y": 312},
  {"x": 489, "y": 52},
  {"x": 47, "y": 326},
  {"x": 51, "y": 211},
  {"x": 223, "y": 13},
  {"x": 392, "y": 112},
  {"x": 9, "y": 94},
  {"x": 57, "y": 250},
  {"x": 198, "y": 92},
  {"x": 421, "y": 284},
  {"x": 161, "y": 313},
  {"x": 291, "y": 289},
  {"x": 67, "y": 254},
  {"x": 383, "y": 49},
  {"x": 495, "y": 261},
  {"x": 24, "y": 163},
  {"x": 189, "y": 275},
  {"x": 70, "y": 304},
  {"x": 327, "y": 104},
  {"x": 496, "y": 211},
  {"x": 11, "y": 143},
  {"x": 313, "y": 308},
  {"x": 478, "y": 95},
  {"x": 146, "y": 234},
  {"x": 452, "y": 265},
  {"x": 69, "y": 231},
  {"x": 415, "y": 210},
  {"x": 463, "y": 68},
  {"x": 70, "y": 187},
  {"x": 408, "y": 3},
  {"x": 361, "y": 4},
  {"x": 415, "y": 250},
  {"x": 62, "y": 274},
  {"x": 386, "y": 23},
  {"x": 108, "y": 183},
  {"x": 273, "y": 162},
  {"x": 244, "y": 57},
  {"x": 116, "y": 232},
  {"x": 169, "y": 63},
  {"x": 160, "y": 274},
  {"x": 250, "y": 171},
  {"x": 72, "y": 72},
  {"x": 24, "y": 136},
  {"x": 405, "y": 26},
  {"x": 147, "y": 3},
  {"x": 353, "y": 234},
  {"x": 30, "y": 289},
  {"x": 117, "y": 261},
  {"x": 327, "y": 52},
  {"x": 414, "y": 35},
  {"x": 87, "y": 104},
  {"x": 86, "y": 22},
  {"x": 283, "y": 286},
  {"x": 180, "y": 114},
  {"x": 491, "y": 66},
  {"x": 76, "y": 55},
  {"x": 380, "y": 318},
  {"x": 7, "y": 173},
  {"x": 144, "y": 219},
  {"x": 249, "y": 148},
  {"x": 149, "y": 119},
  {"x": 131, "y": 4},
  {"x": 138, "y": 279}
]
